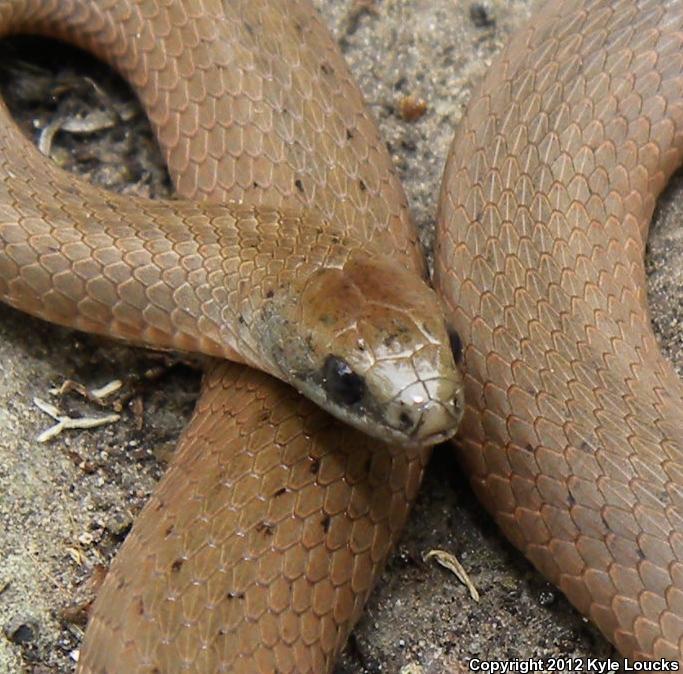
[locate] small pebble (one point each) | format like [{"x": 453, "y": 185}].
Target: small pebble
[
  {"x": 474, "y": 646},
  {"x": 480, "y": 15},
  {"x": 21, "y": 629},
  {"x": 412, "y": 668},
  {"x": 118, "y": 524},
  {"x": 412, "y": 108},
  {"x": 546, "y": 598}
]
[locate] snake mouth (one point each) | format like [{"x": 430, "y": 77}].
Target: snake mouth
[
  {"x": 437, "y": 423},
  {"x": 435, "y": 438}
]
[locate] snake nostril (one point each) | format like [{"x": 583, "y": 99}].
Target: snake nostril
[
  {"x": 456, "y": 344},
  {"x": 405, "y": 420},
  {"x": 341, "y": 383}
]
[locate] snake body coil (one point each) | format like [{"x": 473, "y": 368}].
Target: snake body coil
[{"x": 573, "y": 432}]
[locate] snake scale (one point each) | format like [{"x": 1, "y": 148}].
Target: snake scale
[{"x": 573, "y": 422}]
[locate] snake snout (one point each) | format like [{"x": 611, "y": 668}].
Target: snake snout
[
  {"x": 426, "y": 420},
  {"x": 438, "y": 422}
]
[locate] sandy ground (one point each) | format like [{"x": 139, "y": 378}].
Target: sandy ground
[{"x": 66, "y": 505}]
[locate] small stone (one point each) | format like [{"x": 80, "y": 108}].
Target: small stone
[
  {"x": 480, "y": 15},
  {"x": 118, "y": 524},
  {"x": 412, "y": 108},
  {"x": 412, "y": 668},
  {"x": 21, "y": 629},
  {"x": 546, "y": 598},
  {"x": 474, "y": 646}
]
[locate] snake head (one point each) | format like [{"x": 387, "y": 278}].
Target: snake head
[{"x": 367, "y": 341}]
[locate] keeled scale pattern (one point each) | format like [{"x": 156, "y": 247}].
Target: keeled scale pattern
[
  {"x": 573, "y": 433},
  {"x": 258, "y": 550},
  {"x": 251, "y": 101}
]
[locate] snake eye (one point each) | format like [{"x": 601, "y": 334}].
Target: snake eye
[
  {"x": 341, "y": 383},
  {"x": 456, "y": 344}
]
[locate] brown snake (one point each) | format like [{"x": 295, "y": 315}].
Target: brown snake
[
  {"x": 573, "y": 433},
  {"x": 303, "y": 298},
  {"x": 573, "y": 428}
]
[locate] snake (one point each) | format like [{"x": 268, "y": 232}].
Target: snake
[
  {"x": 261, "y": 544},
  {"x": 573, "y": 433},
  {"x": 289, "y": 292}
]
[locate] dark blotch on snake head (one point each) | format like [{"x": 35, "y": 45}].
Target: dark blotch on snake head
[{"x": 341, "y": 383}]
